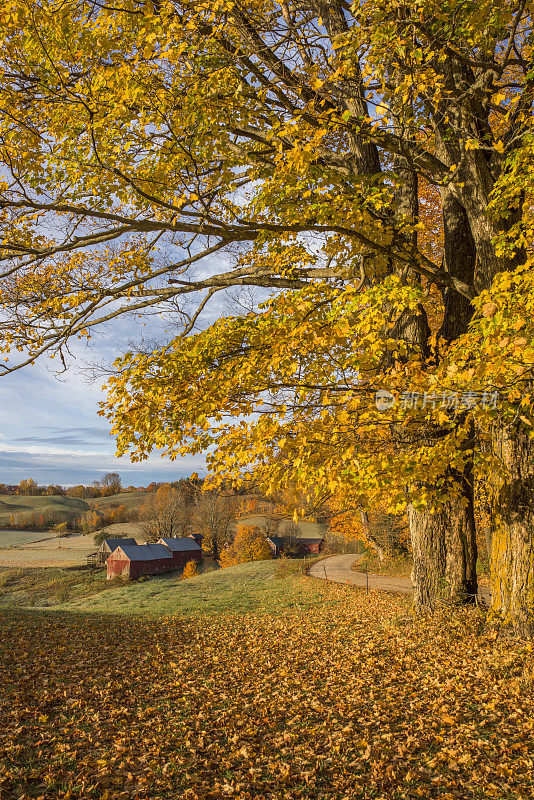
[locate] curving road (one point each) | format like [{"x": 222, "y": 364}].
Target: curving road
[{"x": 339, "y": 570}]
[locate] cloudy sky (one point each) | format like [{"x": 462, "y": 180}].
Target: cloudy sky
[
  {"x": 49, "y": 425},
  {"x": 50, "y": 429}
]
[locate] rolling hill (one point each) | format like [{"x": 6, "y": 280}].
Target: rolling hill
[
  {"x": 259, "y": 586},
  {"x": 24, "y": 507}
]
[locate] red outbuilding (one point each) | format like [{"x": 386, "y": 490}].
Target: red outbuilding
[
  {"x": 183, "y": 550},
  {"x": 132, "y": 561},
  {"x": 166, "y": 555},
  {"x": 280, "y": 545}
]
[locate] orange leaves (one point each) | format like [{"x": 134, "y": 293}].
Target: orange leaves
[
  {"x": 189, "y": 570},
  {"x": 353, "y": 700},
  {"x": 249, "y": 544}
]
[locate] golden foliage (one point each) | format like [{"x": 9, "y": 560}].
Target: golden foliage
[
  {"x": 249, "y": 544},
  {"x": 358, "y": 702},
  {"x": 189, "y": 570}
]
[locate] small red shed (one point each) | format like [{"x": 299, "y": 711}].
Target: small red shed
[
  {"x": 310, "y": 545},
  {"x": 131, "y": 561},
  {"x": 298, "y": 546}
]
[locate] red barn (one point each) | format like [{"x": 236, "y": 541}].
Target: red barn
[
  {"x": 131, "y": 561},
  {"x": 183, "y": 550},
  {"x": 109, "y": 545},
  {"x": 296, "y": 546}
]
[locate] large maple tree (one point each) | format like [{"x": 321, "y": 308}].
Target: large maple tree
[{"x": 303, "y": 144}]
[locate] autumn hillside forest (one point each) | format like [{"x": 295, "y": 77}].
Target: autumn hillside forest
[{"x": 317, "y": 219}]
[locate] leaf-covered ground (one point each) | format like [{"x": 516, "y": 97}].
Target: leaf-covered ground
[{"x": 351, "y": 700}]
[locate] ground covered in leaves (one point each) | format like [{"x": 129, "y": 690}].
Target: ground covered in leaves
[{"x": 351, "y": 700}]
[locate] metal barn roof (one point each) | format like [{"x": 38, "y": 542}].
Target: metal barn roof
[
  {"x": 145, "y": 552},
  {"x": 180, "y": 545},
  {"x": 113, "y": 543}
]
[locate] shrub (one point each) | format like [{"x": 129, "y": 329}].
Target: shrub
[
  {"x": 189, "y": 570},
  {"x": 250, "y": 544},
  {"x": 228, "y": 557}
]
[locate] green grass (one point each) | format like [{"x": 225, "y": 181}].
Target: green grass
[
  {"x": 306, "y": 529},
  {"x": 253, "y": 587},
  {"x": 22, "y": 506},
  {"x": 13, "y": 538},
  {"x": 47, "y": 586},
  {"x": 128, "y": 499}
]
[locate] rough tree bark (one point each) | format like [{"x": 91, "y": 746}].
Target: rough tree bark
[
  {"x": 427, "y": 532},
  {"x": 512, "y": 547},
  {"x": 512, "y": 534},
  {"x": 444, "y": 543},
  {"x": 444, "y": 546}
]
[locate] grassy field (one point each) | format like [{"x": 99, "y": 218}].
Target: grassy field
[
  {"x": 305, "y": 528},
  {"x": 260, "y": 587},
  {"x": 22, "y": 506},
  {"x": 12, "y": 538},
  {"x": 128, "y": 499},
  {"x": 47, "y": 587},
  {"x": 71, "y": 550}
]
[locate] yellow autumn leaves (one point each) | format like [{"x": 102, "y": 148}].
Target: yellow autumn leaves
[{"x": 353, "y": 700}]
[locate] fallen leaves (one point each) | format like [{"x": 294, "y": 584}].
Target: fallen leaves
[{"x": 355, "y": 700}]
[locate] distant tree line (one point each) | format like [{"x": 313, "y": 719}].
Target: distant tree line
[{"x": 109, "y": 485}]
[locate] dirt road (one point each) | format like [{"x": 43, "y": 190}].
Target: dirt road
[{"x": 339, "y": 570}]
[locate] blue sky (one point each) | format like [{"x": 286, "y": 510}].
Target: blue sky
[
  {"x": 50, "y": 429},
  {"x": 49, "y": 425}
]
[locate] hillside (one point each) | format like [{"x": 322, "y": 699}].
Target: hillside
[
  {"x": 305, "y": 528},
  {"x": 23, "y": 507},
  {"x": 253, "y": 587},
  {"x": 128, "y": 499},
  {"x": 60, "y": 508}
]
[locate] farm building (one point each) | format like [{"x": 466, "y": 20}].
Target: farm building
[
  {"x": 302, "y": 546},
  {"x": 109, "y": 545},
  {"x": 132, "y": 561},
  {"x": 197, "y": 537},
  {"x": 183, "y": 550}
]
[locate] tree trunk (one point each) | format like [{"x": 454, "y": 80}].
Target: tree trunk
[
  {"x": 512, "y": 556},
  {"x": 512, "y": 539},
  {"x": 444, "y": 543},
  {"x": 459, "y": 261},
  {"x": 429, "y": 559},
  {"x": 488, "y": 533},
  {"x": 371, "y": 538},
  {"x": 461, "y": 544},
  {"x": 445, "y": 550}
]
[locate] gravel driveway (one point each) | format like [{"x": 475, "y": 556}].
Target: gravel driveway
[{"x": 339, "y": 570}]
